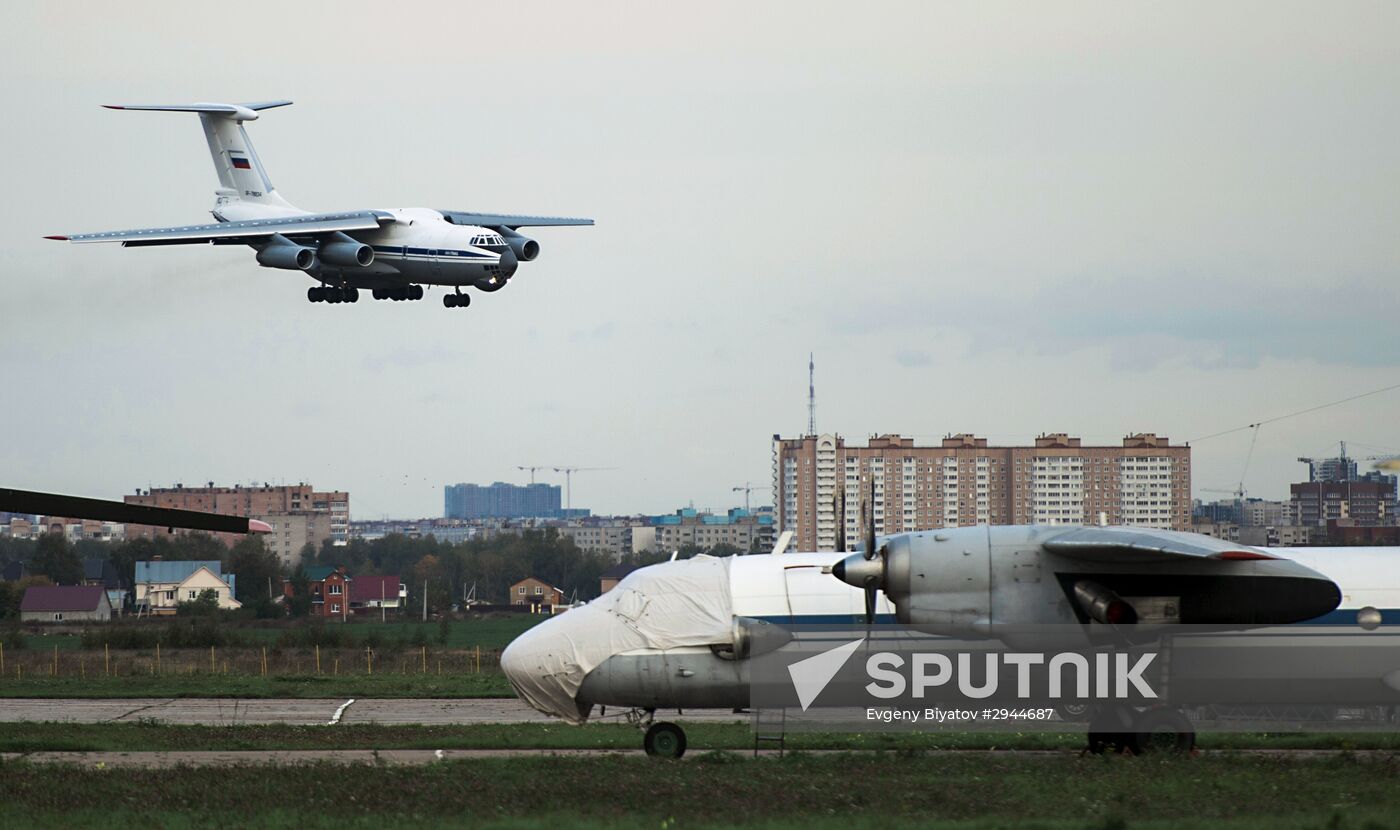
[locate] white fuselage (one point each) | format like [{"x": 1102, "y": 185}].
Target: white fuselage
[
  {"x": 419, "y": 246},
  {"x": 792, "y": 588}
]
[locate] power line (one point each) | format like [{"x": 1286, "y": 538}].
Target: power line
[{"x": 1295, "y": 414}]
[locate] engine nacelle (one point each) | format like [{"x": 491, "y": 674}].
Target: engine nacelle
[
  {"x": 348, "y": 253},
  {"x": 284, "y": 253},
  {"x": 525, "y": 248}
]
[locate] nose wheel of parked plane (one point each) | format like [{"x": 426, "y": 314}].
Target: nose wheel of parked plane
[
  {"x": 333, "y": 294},
  {"x": 664, "y": 740},
  {"x": 407, "y": 292},
  {"x": 456, "y": 300}
]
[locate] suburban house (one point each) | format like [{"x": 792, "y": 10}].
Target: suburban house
[
  {"x": 374, "y": 593},
  {"x": 330, "y": 591},
  {"x": 103, "y": 573},
  {"x": 65, "y": 603},
  {"x": 163, "y": 584},
  {"x": 608, "y": 579},
  {"x": 535, "y": 592}
]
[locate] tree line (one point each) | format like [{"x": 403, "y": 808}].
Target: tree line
[{"x": 449, "y": 569}]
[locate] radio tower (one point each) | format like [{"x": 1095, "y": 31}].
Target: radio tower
[{"x": 811, "y": 395}]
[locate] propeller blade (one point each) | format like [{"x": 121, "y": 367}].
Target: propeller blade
[
  {"x": 870, "y": 593},
  {"x": 870, "y": 522}
]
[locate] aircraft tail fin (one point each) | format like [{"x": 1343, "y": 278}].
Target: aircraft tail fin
[{"x": 242, "y": 177}]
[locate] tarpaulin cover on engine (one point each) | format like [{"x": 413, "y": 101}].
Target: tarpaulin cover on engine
[{"x": 685, "y": 602}]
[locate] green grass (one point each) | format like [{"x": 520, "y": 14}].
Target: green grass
[
  {"x": 387, "y": 684},
  {"x": 722, "y": 789},
  {"x": 153, "y": 736}
]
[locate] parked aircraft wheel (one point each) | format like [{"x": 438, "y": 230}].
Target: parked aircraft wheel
[
  {"x": 664, "y": 740},
  {"x": 1110, "y": 730},
  {"x": 1163, "y": 731}
]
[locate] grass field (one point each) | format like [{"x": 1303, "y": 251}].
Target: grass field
[
  {"x": 722, "y": 790},
  {"x": 490, "y": 633},
  {"x": 389, "y": 684},
  {"x": 152, "y": 736}
]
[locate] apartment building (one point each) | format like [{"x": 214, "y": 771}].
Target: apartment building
[
  {"x": 254, "y": 502},
  {"x": 820, "y": 483}
]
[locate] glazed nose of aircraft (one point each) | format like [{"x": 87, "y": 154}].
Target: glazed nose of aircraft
[{"x": 509, "y": 263}]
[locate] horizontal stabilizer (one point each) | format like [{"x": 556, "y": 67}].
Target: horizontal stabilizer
[
  {"x": 290, "y": 226},
  {"x": 215, "y": 109},
  {"x": 505, "y": 220},
  {"x": 1128, "y": 545}
]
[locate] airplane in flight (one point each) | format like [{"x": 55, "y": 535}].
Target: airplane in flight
[
  {"x": 679, "y": 634},
  {"x": 392, "y": 252}
]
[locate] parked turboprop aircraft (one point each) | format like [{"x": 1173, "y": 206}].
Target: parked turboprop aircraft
[
  {"x": 677, "y": 634},
  {"x": 392, "y": 252}
]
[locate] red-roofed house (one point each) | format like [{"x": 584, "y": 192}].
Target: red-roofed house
[
  {"x": 65, "y": 603},
  {"x": 373, "y": 593}
]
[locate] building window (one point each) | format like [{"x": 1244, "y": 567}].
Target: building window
[
  {"x": 520, "y": 590},
  {"x": 193, "y": 594},
  {"x": 538, "y": 590},
  {"x": 335, "y": 589},
  {"x": 58, "y": 617},
  {"x": 335, "y": 608}
]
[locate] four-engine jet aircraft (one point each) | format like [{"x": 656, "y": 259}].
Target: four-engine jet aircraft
[
  {"x": 393, "y": 252},
  {"x": 679, "y": 634}
]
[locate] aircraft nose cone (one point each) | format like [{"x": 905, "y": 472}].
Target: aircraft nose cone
[
  {"x": 855, "y": 569},
  {"x": 509, "y": 263}
]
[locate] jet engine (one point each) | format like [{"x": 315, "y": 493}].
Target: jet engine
[
  {"x": 525, "y": 248},
  {"x": 340, "y": 249},
  {"x": 281, "y": 252}
]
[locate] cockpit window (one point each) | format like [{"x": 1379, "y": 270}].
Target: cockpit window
[{"x": 488, "y": 239}]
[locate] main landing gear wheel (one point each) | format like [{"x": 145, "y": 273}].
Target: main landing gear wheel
[
  {"x": 1163, "y": 732},
  {"x": 664, "y": 740},
  {"x": 1159, "y": 731},
  {"x": 332, "y": 294},
  {"x": 405, "y": 292},
  {"x": 456, "y": 300}
]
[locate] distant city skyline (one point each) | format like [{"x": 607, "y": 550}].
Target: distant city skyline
[{"x": 1099, "y": 219}]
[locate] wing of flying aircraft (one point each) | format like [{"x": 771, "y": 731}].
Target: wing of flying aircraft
[
  {"x": 244, "y": 232},
  {"x": 77, "y": 507},
  {"x": 506, "y": 220}
]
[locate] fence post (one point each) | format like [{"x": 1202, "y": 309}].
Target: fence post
[
  {"x": 425, "y": 659},
  {"x": 157, "y": 667},
  {"x": 106, "y": 659},
  {"x": 2, "y": 658},
  {"x": 211, "y": 660},
  {"x": 55, "y": 659},
  {"x": 264, "y": 661},
  {"x": 318, "y": 658}
]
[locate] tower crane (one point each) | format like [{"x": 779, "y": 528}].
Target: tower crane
[
  {"x": 748, "y": 488},
  {"x": 569, "y": 481}
]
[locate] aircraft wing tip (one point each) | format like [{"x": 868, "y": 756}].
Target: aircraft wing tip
[
  {"x": 255, "y": 526},
  {"x": 59, "y": 238}
]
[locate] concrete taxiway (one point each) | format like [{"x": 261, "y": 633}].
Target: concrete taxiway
[{"x": 231, "y": 711}]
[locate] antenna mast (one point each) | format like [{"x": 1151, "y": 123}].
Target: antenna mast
[{"x": 811, "y": 395}]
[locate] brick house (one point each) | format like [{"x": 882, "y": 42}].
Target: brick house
[
  {"x": 330, "y": 591},
  {"x": 532, "y": 591}
]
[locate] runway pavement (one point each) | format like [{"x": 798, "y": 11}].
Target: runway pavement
[{"x": 230, "y": 711}]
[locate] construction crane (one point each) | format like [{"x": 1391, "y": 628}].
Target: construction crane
[
  {"x": 569, "y": 481},
  {"x": 533, "y": 469},
  {"x": 749, "y": 488}
]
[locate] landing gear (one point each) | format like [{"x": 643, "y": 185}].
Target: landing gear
[
  {"x": 1156, "y": 731},
  {"x": 456, "y": 300},
  {"x": 333, "y": 294},
  {"x": 403, "y": 292},
  {"x": 664, "y": 740}
]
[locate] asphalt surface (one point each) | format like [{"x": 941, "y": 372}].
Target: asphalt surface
[{"x": 230, "y": 711}]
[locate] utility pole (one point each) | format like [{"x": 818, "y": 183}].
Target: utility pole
[{"x": 425, "y": 600}]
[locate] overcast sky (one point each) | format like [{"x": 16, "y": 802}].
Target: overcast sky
[{"x": 1001, "y": 219}]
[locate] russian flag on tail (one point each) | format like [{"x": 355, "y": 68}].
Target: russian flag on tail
[{"x": 239, "y": 160}]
